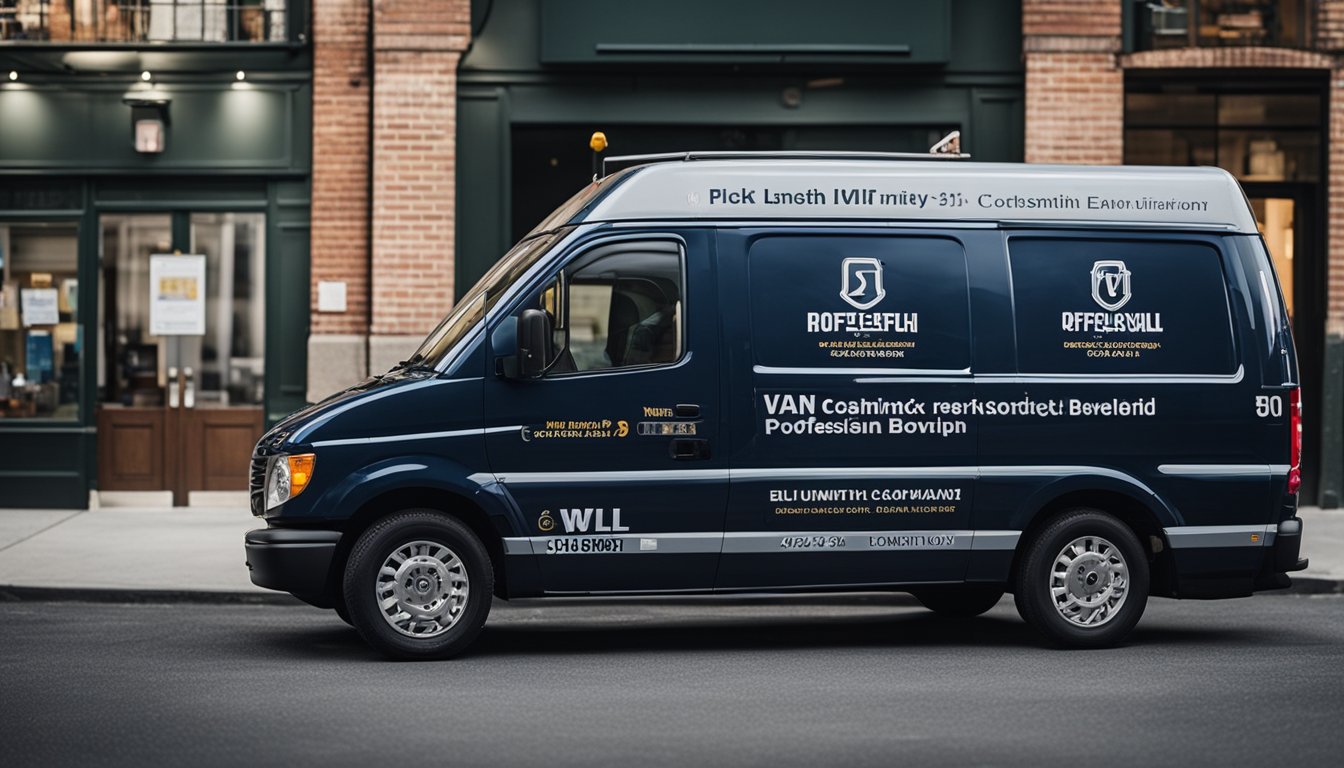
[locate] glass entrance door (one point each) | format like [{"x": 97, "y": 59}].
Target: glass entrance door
[{"x": 182, "y": 342}]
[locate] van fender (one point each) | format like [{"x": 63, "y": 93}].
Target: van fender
[
  {"x": 421, "y": 471},
  {"x": 1095, "y": 479}
]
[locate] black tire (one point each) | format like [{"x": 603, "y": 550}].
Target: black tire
[
  {"x": 343, "y": 612},
  {"x": 961, "y": 601},
  {"x": 1036, "y": 569},
  {"x": 361, "y": 583}
]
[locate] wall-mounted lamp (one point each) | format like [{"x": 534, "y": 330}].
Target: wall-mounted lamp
[
  {"x": 145, "y": 76},
  {"x": 241, "y": 75},
  {"x": 149, "y": 124}
]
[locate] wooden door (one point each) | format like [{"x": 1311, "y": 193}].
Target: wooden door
[
  {"x": 178, "y": 449},
  {"x": 216, "y": 446},
  {"x": 131, "y": 443}
]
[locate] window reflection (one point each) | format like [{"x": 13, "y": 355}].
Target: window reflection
[
  {"x": 39, "y": 320},
  {"x": 1256, "y": 137},
  {"x": 133, "y": 21}
]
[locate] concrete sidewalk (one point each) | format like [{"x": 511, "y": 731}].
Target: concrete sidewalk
[{"x": 200, "y": 550}]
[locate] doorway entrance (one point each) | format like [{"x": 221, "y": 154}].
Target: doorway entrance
[
  {"x": 181, "y": 350},
  {"x": 1285, "y": 215}
]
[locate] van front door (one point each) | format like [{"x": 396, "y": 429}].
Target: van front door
[
  {"x": 851, "y": 408},
  {"x": 613, "y": 457}
]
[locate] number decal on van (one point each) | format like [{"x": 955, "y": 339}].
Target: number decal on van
[{"x": 1268, "y": 406}]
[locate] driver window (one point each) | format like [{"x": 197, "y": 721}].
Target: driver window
[{"x": 622, "y": 308}]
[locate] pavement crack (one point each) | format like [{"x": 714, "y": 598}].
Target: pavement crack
[{"x": 42, "y": 530}]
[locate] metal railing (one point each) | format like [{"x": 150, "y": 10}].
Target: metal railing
[
  {"x": 144, "y": 21},
  {"x": 1163, "y": 24}
]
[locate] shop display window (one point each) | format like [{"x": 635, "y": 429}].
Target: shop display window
[{"x": 40, "y": 339}]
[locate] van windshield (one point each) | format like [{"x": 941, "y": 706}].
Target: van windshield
[{"x": 482, "y": 296}]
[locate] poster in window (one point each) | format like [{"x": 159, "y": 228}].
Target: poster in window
[
  {"x": 38, "y": 354},
  {"x": 176, "y": 295},
  {"x": 39, "y": 306}
]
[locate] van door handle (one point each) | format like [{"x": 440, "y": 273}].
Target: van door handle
[{"x": 689, "y": 448}]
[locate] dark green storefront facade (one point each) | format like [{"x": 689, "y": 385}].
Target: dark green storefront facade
[
  {"x": 81, "y": 212},
  {"x": 540, "y": 77}
]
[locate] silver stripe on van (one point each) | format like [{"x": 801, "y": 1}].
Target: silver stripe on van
[
  {"x": 1217, "y": 470},
  {"x": 827, "y": 371},
  {"x": 416, "y": 436},
  {"x": 798, "y": 473},
  {"x": 924, "y": 376},
  {"x": 763, "y": 542},
  {"x": 1111, "y": 378},
  {"x": 1201, "y": 536}
]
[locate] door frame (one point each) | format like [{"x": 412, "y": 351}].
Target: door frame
[
  {"x": 178, "y": 474},
  {"x": 1309, "y": 311}
]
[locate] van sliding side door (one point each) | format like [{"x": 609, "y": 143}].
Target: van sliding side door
[{"x": 848, "y": 355}]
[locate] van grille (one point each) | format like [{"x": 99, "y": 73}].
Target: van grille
[{"x": 256, "y": 485}]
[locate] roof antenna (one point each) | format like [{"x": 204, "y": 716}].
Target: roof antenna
[{"x": 948, "y": 145}]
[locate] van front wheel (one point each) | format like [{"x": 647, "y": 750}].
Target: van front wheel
[
  {"x": 1083, "y": 580},
  {"x": 418, "y": 585}
]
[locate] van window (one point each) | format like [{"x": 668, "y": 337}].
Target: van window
[
  {"x": 839, "y": 301},
  {"x": 1115, "y": 307},
  {"x": 621, "y": 307}
]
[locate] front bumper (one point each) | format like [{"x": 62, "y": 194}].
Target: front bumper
[{"x": 293, "y": 561}]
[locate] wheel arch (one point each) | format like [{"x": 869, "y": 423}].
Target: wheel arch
[
  {"x": 1146, "y": 517},
  {"x": 454, "y": 502}
]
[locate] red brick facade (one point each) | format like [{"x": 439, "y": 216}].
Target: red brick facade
[
  {"x": 413, "y": 80},
  {"x": 340, "y": 241},
  {"x": 1075, "y": 92}
]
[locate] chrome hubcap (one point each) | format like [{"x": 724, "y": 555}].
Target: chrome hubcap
[
  {"x": 1089, "y": 581},
  {"x": 422, "y": 589}
]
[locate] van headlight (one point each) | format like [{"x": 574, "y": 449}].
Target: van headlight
[{"x": 287, "y": 478}]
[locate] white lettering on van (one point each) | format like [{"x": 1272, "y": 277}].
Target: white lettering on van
[
  {"x": 577, "y": 520},
  {"x": 790, "y": 404}
]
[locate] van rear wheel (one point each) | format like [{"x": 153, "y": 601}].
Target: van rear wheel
[
  {"x": 1083, "y": 580},
  {"x": 960, "y": 601},
  {"x": 418, "y": 585}
]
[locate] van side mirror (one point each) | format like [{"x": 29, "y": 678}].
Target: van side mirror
[{"x": 534, "y": 343}]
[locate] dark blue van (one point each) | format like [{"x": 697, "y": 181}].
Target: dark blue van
[{"x": 714, "y": 373}]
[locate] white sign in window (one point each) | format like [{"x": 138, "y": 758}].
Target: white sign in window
[{"x": 176, "y": 295}]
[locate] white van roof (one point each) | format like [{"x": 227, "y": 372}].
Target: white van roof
[{"x": 831, "y": 186}]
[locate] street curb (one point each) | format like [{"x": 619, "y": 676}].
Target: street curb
[{"x": 14, "y": 594}]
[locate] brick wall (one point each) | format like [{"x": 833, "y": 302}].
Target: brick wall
[
  {"x": 1075, "y": 91},
  {"x": 413, "y": 77},
  {"x": 1335, "y": 206},
  {"x": 340, "y": 159},
  {"x": 417, "y": 46},
  {"x": 1329, "y": 28}
]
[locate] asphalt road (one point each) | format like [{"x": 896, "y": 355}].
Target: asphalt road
[{"x": 744, "y": 682}]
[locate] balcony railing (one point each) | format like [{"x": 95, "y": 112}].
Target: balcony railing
[
  {"x": 144, "y": 21},
  {"x": 1162, "y": 24}
]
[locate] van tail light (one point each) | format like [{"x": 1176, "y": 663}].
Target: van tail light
[{"x": 1295, "y": 438}]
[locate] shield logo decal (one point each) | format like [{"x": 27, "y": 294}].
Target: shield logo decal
[
  {"x": 861, "y": 282},
  {"x": 1110, "y": 284}
]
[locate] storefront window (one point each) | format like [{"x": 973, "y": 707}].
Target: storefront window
[
  {"x": 1256, "y": 137},
  {"x": 1160, "y": 24},
  {"x": 136, "y": 21},
  {"x": 40, "y": 336},
  {"x": 226, "y": 362}
]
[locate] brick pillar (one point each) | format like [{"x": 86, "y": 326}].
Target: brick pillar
[
  {"x": 1075, "y": 90},
  {"x": 341, "y": 79},
  {"x": 417, "y": 45}
]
